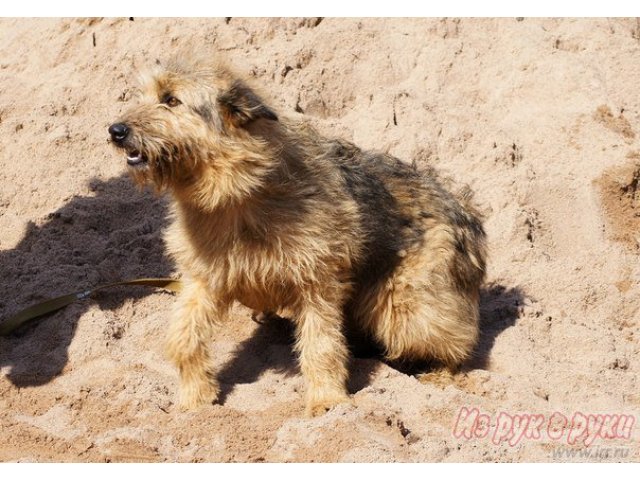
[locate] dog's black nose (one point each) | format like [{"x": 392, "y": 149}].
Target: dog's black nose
[{"x": 118, "y": 132}]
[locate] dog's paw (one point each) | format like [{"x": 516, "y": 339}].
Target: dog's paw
[
  {"x": 194, "y": 395},
  {"x": 320, "y": 406}
]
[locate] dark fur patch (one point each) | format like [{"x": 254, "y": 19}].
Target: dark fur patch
[
  {"x": 387, "y": 229},
  {"x": 205, "y": 112}
]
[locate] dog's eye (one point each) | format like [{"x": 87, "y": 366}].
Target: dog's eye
[{"x": 171, "y": 101}]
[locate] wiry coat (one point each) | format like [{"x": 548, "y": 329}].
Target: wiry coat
[{"x": 269, "y": 213}]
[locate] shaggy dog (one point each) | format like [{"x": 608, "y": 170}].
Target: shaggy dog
[{"x": 269, "y": 213}]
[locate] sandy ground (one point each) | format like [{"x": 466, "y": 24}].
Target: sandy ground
[{"x": 540, "y": 117}]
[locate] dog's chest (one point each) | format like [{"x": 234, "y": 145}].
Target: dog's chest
[{"x": 261, "y": 275}]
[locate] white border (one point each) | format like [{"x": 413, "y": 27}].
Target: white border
[{"x": 263, "y": 8}]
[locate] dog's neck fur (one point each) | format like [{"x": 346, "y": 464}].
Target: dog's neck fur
[{"x": 249, "y": 195}]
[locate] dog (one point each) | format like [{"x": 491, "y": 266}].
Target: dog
[{"x": 269, "y": 213}]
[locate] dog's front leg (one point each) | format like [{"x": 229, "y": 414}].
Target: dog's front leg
[
  {"x": 188, "y": 343},
  {"x": 323, "y": 355}
]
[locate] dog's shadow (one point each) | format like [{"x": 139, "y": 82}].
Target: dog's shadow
[
  {"x": 500, "y": 308},
  {"x": 271, "y": 346},
  {"x": 112, "y": 233}
]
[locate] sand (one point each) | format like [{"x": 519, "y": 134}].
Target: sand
[{"x": 540, "y": 117}]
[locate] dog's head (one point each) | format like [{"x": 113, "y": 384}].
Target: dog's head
[{"x": 192, "y": 129}]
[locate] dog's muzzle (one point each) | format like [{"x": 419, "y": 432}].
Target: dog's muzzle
[{"x": 119, "y": 134}]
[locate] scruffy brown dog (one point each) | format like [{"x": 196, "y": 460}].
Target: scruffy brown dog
[{"x": 269, "y": 213}]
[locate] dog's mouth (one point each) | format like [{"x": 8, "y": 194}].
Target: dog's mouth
[{"x": 135, "y": 158}]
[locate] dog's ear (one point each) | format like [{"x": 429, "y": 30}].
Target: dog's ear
[{"x": 240, "y": 105}]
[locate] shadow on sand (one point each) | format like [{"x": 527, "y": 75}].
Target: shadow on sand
[
  {"x": 111, "y": 234},
  {"x": 499, "y": 310}
]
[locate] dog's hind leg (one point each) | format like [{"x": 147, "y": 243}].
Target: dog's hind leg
[{"x": 424, "y": 311}]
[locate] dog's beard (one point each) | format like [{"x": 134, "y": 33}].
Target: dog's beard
[
  {"x": 141, "y": 176},
  {"x": 154, "y": 171},
  {"x": 149, "y": 163}
]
